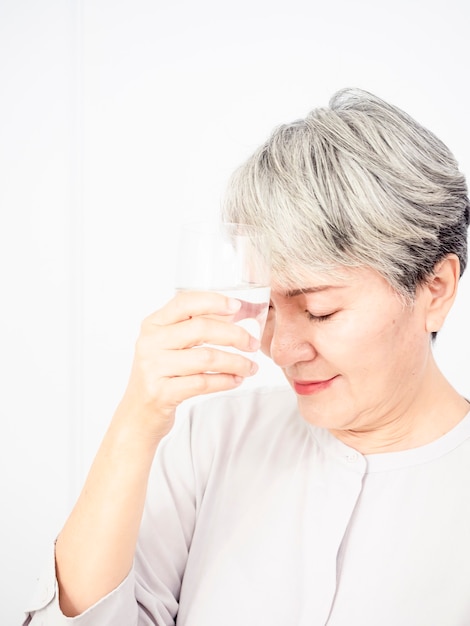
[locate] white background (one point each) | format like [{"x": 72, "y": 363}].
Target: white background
[{"x": 119, "y": 119}]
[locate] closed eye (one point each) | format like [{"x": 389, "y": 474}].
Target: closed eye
[{"x": 319, "y": 318}]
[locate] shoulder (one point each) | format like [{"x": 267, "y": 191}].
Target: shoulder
[
  {"x": 251, "y": 407},
  {"x": 242, "y": 421}
]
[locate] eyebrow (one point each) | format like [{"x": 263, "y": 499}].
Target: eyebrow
[{"x": 292, "y": 293}]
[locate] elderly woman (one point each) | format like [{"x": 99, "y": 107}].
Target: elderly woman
[{"x": 341, "y": 498}]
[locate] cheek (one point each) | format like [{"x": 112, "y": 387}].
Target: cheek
[
  {"x": 360, "y": 344},
  {"x": 385, "y": 344}
]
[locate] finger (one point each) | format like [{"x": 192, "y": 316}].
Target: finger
[
  {"x": 203, "y": 360},
  {"x": 178, "y": 389},
  {"x": 200, "y": 330},
  {"x": 188, "y": 304}
]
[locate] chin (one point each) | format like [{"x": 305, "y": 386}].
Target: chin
[{"x": 313, "y": 413}]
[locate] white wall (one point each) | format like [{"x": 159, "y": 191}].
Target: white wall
[
  {"x": 38, "y": 282},
  {"x": 119, "y": 119}
]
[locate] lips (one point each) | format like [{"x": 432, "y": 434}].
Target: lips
[{"x": 310, "y": 387}]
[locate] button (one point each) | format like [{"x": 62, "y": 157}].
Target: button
[{"x": 352, "y": 457}]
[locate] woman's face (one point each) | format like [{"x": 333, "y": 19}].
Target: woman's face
[{"x": 353, "y": 352}]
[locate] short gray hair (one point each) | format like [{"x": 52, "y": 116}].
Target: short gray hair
[{"x": 358, "y": 183}]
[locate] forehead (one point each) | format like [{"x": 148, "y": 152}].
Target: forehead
[
  {"x": 345, "y": 279},
  {"x": 303, "y": 281},
  {"x": 293, "y": 293}
]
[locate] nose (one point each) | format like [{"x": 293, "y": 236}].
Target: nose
[{"x": 286, "y": 344}]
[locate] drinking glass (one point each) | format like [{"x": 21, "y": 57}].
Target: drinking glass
[{"x": 229, "y": 258}]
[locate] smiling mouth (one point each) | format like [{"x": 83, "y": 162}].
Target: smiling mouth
[{"x": 308, "y": 388}]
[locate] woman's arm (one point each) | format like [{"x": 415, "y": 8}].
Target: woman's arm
[{"x": 95, "y": 549}]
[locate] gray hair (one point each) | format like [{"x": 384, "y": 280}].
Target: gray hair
[{"x": 359, "y": 183}]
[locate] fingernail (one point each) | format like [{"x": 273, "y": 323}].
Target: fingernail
[
  {"x": 233, "y": 305},
  {"x": 254, "y": 368},
  {"x": 254, "y": 343}
]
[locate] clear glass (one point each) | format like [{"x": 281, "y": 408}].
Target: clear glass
[{"x": 229, "y": 258}]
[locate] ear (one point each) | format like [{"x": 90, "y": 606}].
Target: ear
[{"x": 442, "y": 290}]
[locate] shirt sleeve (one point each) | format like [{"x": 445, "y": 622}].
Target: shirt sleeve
[
  {"x": 119, "y": 607},
  {"x": 150, "y": 593}
]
